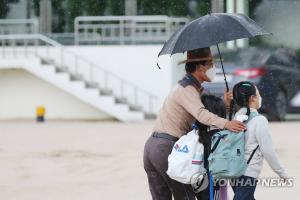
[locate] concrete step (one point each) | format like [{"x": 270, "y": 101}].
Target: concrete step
[
  {"x": 63, "y": 76},
  {"x": 106, "y": 92},
  {"x": 76, "y": 77},
  {"x": 91, "y": 85},
  {"x": 49, "y": 68},
  {"x": 121, "y": 100},
  {"x": 78, "y": 85},
  {"x": 47, "y": 61},
  {"x": 94, "y": 91},
  {"x": 61, "y": 69},
  {"x": 150, "y": 116},
  {"x": 135, "y": 108}
]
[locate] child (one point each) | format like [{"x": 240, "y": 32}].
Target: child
[
  {"x": 248, "y": 99},
  {"x": 215, "y": 105}
]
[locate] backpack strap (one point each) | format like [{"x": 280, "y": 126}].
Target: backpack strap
[
  {"x": 252, "y": 115},
  {"x": 217, "y": 142},
  {"x": 252, "y": 154},
  {"x": 211, "y": 187}
]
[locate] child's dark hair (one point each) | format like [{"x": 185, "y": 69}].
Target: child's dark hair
[
  {"x": 214, "y": 105},
  {"x": 242, "y": 92}
]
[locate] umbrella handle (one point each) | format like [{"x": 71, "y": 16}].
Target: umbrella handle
[
  {"x": 158, "y": 65},
  {"x": 226, "y": 83}
]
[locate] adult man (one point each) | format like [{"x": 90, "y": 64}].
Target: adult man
[{"x": 181, "y": 108}]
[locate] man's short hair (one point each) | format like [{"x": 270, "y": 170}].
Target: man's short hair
[{"x": 191, "y": 67}]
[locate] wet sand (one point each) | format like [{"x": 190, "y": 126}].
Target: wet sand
[{"x": 102, "y": 160}]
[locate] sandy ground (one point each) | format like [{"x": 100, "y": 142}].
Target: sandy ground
[{"x": 102, "y": 160}]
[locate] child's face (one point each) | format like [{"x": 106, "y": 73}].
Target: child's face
[{"x": 256, "y": 99}]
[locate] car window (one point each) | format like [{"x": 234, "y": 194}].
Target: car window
[
  {"x": 246, "y": 57},
  {"x": 284, "y": 57}
]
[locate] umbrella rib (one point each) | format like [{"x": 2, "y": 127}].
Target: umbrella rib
[
  {"x": 181, "y": 31},
  {"x": 211, "y": 30},
  {"x": 245, "y": 27},
  {"x": 220, "y": 25}
]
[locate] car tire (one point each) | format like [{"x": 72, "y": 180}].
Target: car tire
[{"x": 279, "y": 110}]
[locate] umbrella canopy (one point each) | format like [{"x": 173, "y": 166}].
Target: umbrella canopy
[{"x": 211, "y": 29}]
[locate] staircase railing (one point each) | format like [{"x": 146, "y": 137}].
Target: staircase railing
[
  {"x": 80, "y": 68},
  {"x": 146, "y": 29},
  {"x": 19, "y": 26}
]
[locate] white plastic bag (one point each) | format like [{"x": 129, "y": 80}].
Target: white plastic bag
[{"x": 186, "y": 161}]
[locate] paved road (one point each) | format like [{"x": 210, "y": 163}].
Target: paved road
[
  {"x": 293, "y": 117},
  {"x": 92, "y": 160}
]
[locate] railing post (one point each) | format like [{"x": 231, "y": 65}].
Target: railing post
[
  {"x": 121, "y": 88},
  {"x": 25, "y": 47},
  {"x": 13, "y": 42},
  {"x": 150, "y": 104},
  {"x": 122, "y": 36},
  {"x": 36, "y": 26},
  {"x": 105, "y": 80},
  {"x": 168, "y": 28},
  {"x": 35, "y": 46},
  {"x": 47, "y": 51},
  {"x": 3, "y": 47},
  {"x": 92, "y": 73},
  {"x": 135, "y": 96},
  {"x": 133, "y": 36},
  {"x": 76, "y": 64},
  {"x": 61, "y": 57},
  {"x": 133, "y": 32},
  {"x": 76, "y": 31}
]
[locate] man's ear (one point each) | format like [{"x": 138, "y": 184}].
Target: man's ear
[{"x": 200, "y": 68}]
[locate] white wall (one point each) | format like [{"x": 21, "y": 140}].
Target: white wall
[{"x": 21, "y": 92}]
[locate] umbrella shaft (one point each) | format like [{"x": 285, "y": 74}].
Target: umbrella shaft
[{"x": 227, "y": 88}]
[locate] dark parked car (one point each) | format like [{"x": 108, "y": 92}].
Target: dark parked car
[{"x": 276, "y": 72}]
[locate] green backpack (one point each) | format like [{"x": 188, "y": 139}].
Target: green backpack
[{"x": 227, "y": 157}]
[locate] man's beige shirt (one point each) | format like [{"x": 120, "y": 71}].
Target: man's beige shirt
[{"x": 181, "y": 107}]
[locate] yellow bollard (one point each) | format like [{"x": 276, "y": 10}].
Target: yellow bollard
[{"x": 40, "y": 114}]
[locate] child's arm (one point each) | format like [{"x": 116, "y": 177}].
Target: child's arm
[{"x": 265, "y": 144}]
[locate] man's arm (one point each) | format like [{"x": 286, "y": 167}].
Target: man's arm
[{"x": 190, "y": 99}]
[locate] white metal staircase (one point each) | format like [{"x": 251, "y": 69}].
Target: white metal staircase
[{"x": 78, "y": 76}]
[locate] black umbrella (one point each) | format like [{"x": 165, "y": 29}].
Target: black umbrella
[{"x": 211, "y": 30}]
